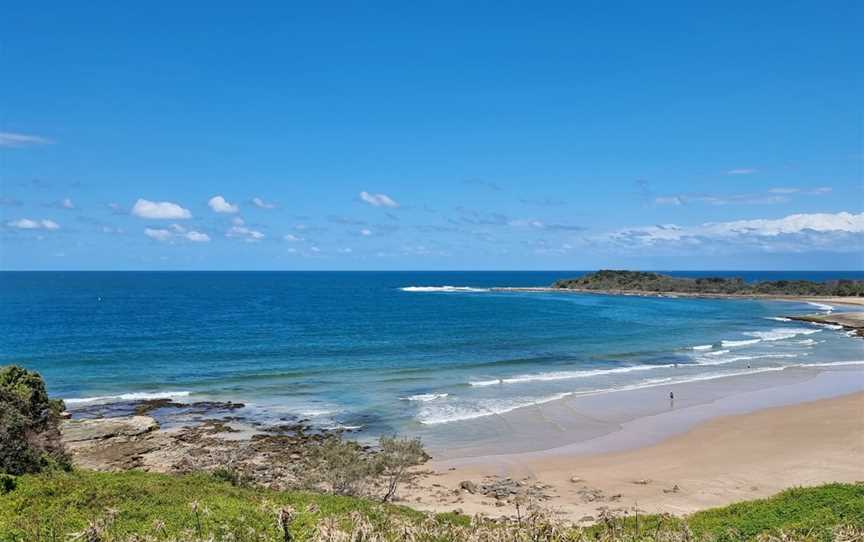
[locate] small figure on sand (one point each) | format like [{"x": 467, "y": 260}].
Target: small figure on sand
[{"x": 671, "y": 395}]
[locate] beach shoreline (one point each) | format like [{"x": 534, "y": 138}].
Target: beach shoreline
[
  {"x": 827, "y": 300},
  {"x": 727, "y": 453},
  {"x": 720, "y": 441}
]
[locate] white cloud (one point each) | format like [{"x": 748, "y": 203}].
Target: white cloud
[
  {"x": 176, "y": 232},
  {"x": 238, "y": 231},
  {"x": 159, "y": 234},
  {"x": 378, "y": 200},
  {"x": 292, "y": 238},
  {"x": 365, "y": 232},
  {"x": 67, "y": 203},
  {"x": 742, "y": 171},
  {"x": 220, "y": 205},
  {"x": 30, "y": 224},
  {"x": 197, "y": 237},
  {"x": 346, "y": 250},
  {"x": 827, "y": 231},
  {"x": 261, "y": 204},
  {"x": 159, "y": 210},
  {"x": 8, "y": 139}
]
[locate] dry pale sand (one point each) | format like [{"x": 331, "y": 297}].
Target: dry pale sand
[{"x": 721, "y": 461}]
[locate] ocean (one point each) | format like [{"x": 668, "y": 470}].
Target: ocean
[{"x": 384, "y": 352}]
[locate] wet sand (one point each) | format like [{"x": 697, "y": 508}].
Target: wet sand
[{"x": 744, "y": 445}]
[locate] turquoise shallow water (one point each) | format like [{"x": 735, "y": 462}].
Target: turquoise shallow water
[{"x": 384, "y": 351}]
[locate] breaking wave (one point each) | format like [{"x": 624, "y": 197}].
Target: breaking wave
[
  {"x": 442, "y": 289},
  {"x": 566, "y": 375},
  {"x": 134, "y": 396},
  {"x": 425, "y": 397}
]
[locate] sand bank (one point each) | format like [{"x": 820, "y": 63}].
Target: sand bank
[{"x": 725, "y": 459}]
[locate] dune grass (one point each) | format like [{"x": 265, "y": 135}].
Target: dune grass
[{"x": 142, "y": 506}]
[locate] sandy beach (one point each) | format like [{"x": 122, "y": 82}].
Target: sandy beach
[{"x": 725, "y": 459}]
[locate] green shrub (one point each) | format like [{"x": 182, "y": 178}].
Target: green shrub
[{"x": 29, "y": 424}]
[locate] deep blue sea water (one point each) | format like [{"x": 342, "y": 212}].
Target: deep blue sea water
[{"x": 357, "y": 349}]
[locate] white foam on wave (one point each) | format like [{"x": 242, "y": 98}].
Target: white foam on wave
[
  {"x": 781, "y": 333},
  {"x": 717, "y": 353},
  {"x": 317, "y": 412},
  {"x": 826, "y": 326},
  {"x": 744, "y": 342},
  {"x": 778, "y": 318},
  {"x": 341, "y": 427},
  {"x": 807, "y": 342},
  {"x": 733, "y": 359},
  {"x": 134, "y": 396},
  {"x": 424, "y": 397},
  {"x": 567, "y": 375},
  {"x": 702, "y": 347},
  {"x": 821, "y": 306},
  {"x": 455, "y": 413},
  {"x": 442, "y": 289}
]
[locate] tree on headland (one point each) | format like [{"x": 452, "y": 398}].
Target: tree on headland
[
  {"x": 29, "y": 424},
  {"x": 642, "y": 281}
]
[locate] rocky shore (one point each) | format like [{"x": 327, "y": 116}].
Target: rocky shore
[
  {"x": 127, "y": 436},
  {"x": 853, "y": 322}
]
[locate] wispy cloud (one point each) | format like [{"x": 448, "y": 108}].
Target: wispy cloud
[
  {"x": 33, "y": 224},
  {"x": 261, "y": 204},
  {"x": 116, "y": 208},
  {"x": 219, "y": 204},
  {"x": 239, "y": 230},
  {"x": 346, "y": 220},
  {"x": 160, "y": 210},
  {"x": 12, "y": 140},
  {"x": 541, "y": 225},
  {"x": 543, "y": 202},
  {"x": 742, "y": 171},
  {"x": 378, "y": 200},
  {"x": 772, "y": 196},
  {"x": 842, "y": 232},
  {"x": 176, "y": 232},
  {"x": 806, "y": 191},
  {"x": 65, "y": 203}
]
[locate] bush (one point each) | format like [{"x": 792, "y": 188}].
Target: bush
[
  {"x": 345, "y": 468},
  {"x": 342, "y": 467},
  {"x": 396, "y": 457},
  {"x": 29, "y": 424}
]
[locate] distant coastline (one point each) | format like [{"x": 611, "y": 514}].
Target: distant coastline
[{"x": 841, "y": 300}]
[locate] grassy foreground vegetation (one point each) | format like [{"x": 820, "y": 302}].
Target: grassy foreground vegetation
[{"x": 139, "y": 506}]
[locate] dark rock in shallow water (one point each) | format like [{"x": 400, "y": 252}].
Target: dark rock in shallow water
[{"x": 198, "y": 407}]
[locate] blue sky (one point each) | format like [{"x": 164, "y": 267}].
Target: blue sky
[{"x": 445, "y": 135}]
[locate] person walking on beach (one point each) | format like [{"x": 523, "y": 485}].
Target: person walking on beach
[{"x": 672, "y": 396}]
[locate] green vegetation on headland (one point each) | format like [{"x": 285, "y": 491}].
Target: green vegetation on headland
[
  {"x": 29, "y": 424},
  {"x": 139, "y": 506},
  {"x": 640, "y": 281},
  {"x": 43, "y": 499}
]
